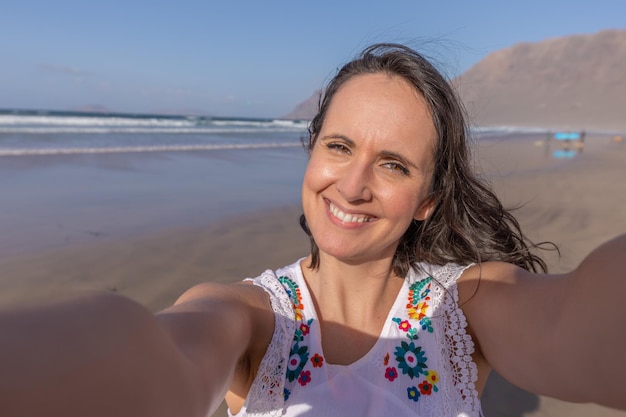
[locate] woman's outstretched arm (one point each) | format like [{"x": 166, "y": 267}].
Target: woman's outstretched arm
[
  {"x": 557, "y": 335},
  {"x": 105, "y": 355}
]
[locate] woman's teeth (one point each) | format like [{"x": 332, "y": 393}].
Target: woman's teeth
[{"x": 348, "y": 218}]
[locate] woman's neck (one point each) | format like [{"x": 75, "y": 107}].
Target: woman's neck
[
  {"x": 352, "y": 294},
  {"x": 352, "y": 303}
]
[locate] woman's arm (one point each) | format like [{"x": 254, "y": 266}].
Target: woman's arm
[
  {"x": 101, "y": 355},
  {"x": 224, "y": 330},
  {"x": 556, "y": 335},
  {"x": 105, "y": 355}
]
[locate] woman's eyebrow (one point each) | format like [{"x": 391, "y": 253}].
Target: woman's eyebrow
[
  {"x": 399, "y": 157},
  {"x": 338, "y": 136}
]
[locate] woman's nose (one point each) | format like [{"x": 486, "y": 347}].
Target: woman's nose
[{"x": 354, "y": 183}]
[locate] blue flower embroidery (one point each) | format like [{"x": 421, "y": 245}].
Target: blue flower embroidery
[
  {"x": 413, "y": 393},
  {"x": 298, "y": 356},
  {"x": 411, "y": 359}
]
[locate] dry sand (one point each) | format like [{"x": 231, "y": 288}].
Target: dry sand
[{"x": 575, "y": 203}]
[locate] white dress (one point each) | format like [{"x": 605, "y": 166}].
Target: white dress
[{"x": 421, "y": 364}]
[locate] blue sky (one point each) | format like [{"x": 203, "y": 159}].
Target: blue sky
[{"x": 247, "y": 58}]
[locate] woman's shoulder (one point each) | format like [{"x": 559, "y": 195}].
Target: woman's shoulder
[
  {"x": 493, "y": 270},
  {"x": 250, "y": 293},
  {"x": 493, "y": 286},
  {"x": 471, "y": 277},
  {"x": 241, "y": 304},
  {"x": 446, "y": 275},
  {"x": 233, "y": 296}
]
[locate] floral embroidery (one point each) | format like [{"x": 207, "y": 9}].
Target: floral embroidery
[
  {"x": 305, "y": 378},
  {"x": 286, "y": 394},
  {"x": 411, "y": 359},
  {"x": 429, "y": 385},
  {"x": 413, "y": 393},
  {"x": 317, "y": 361},
  {"x": 427, "y": 324},
  {"x": 419, "y": 298},
  {"x": 433, "y": 377},
  {"x": 425, "y": 388},
  {"x": 302, "y": 330},
  {"x": 294, "y": 293},
  {"x": 299, "y": 352},
  {"x": 391, "y": 373},
  {"x": 405, "y": 326},
  {"x": 298, "y": 356}
]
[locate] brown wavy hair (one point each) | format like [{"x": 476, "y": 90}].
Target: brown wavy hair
[{"x": 469, "y": 223}]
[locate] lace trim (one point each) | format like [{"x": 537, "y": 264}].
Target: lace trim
[
  {"x": 458, "y": 346},
  {"x": 265, "y": 397}
]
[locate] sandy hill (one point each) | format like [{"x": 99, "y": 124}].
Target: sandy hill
[
  {"x": 573, "y": 82},
  {"x": 306, "y": 109}
]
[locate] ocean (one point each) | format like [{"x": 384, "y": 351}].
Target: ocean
[
  {"x": 71, "y": 178},
  {"x": 25, "y": 132}
]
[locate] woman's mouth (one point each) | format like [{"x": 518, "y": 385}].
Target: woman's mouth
[{"x": 347, "y": 217}]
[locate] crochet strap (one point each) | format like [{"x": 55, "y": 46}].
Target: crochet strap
[{"x": 266, "y": 393}]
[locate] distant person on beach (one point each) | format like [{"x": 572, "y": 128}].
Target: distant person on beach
[{"x": 418, "y": 284}]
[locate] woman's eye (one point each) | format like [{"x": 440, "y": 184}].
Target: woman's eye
[
  {"x": 339, "y": 147},
  {"x": 396, "y": 167}
]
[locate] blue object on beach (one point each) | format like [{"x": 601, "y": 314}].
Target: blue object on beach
[
  {"x": 567, "y": 136},
  {"x": 564, "y": 153}
]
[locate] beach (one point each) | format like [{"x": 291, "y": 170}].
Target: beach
[{"x": 151, "y": 225}]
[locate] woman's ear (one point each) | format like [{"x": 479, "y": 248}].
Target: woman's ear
[{"x": 426, "y": 208}]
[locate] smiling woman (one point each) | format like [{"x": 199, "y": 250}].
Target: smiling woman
[
  {"x": 370, "y": 169},
  {"x": 419, "y": 283}
]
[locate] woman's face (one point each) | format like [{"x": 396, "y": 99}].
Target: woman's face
[{"x": 370, "y": 168}]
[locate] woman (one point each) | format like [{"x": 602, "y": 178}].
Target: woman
[{"x": 417, "y": 285}]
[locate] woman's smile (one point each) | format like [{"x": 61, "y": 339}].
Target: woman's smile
[{"x": 348, "y": 218}]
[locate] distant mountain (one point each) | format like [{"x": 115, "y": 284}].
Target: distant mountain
[
  {"x": 573, "y": 82},
  {"x": 576, "y": 82},
  {"x": 305, "y": 110}
]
